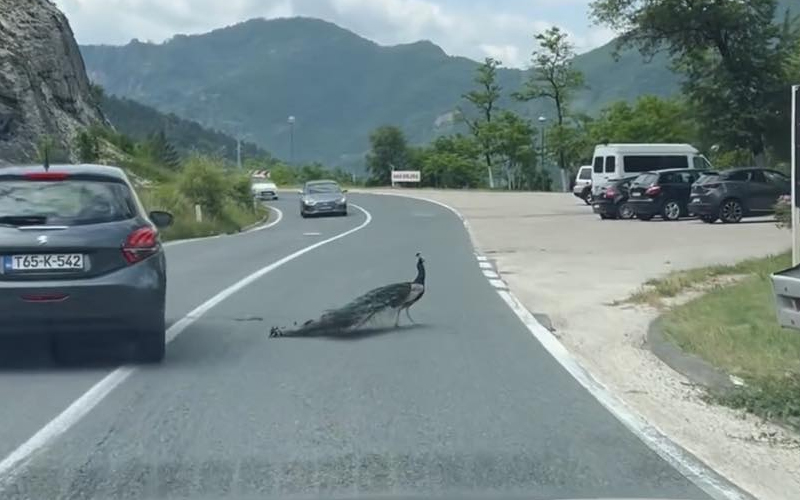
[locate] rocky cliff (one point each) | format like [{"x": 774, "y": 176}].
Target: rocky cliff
[{"x": 44, "y": 90}]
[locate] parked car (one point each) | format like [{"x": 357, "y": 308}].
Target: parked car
[
  {"x": 735, "y": 194},
  {"x": 615, "y": 161},
  {"x": 265, "y": 191},
  {"x": 663, "y": 192},
  {"x": 322, "y": 197},
  {"x": 583, "y": 184},
  {"x": 612, "y": 203},
  {"x": 80, "y": 259}
]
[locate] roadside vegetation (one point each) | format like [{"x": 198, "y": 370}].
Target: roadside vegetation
[{"x": 733, "y": 327}]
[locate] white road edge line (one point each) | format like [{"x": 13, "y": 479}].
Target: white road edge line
[
  {"x": 11, "y": 465},
  {"x": 691, "y": 467},
  {"x": 258, "y": 228},
  {"x": 491, "y": 274},
  {"x": 485, "y": 265}
]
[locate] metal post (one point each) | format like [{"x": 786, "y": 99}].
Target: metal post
[
  {"x": 542, "y": 165},
  {"x": 238, "y": 153},
  {"x": 795, "y": 178},
  {"x": 291, "y": 139}
]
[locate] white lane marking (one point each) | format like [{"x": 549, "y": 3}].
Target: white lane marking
[
  {"x": 485, "y": 265},
  {"x": 312, "y": 234},
  {"x": 491, "y": 274},
  {"x": 498, "y": 283},
  {"x": 481, "y": 258},
  {"x": 258, "y": 228},
  {"x": 11, "y": 465},
  {"x": 271, "y": 224},
  {"x": 703, "y": 476}
]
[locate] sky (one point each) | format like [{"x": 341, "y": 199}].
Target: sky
[{"x": 502, "y": 29}]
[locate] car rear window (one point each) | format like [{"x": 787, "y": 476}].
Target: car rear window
[
  {"x": 67, "y": 202},
  {"x": 646, "y": 179}
]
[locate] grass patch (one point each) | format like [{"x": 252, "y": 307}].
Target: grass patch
[
  {"x": 676, "y": 282},
  {"x": 734, "y": 328}
]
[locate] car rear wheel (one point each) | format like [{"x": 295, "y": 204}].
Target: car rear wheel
[
  {"x": 731, "y": 211},
  {"x": 152, "y": 344},
  {"x": 625, "y": 212},
  {"x": 671, "y": 210}
]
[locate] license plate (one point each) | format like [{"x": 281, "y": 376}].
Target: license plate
[
  {"x": 43, "y": 262},
  {"x": 636, "y": 195}
]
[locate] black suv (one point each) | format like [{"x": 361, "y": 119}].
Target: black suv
[
  {"x": 738, "y": 193},
  {"x": 663, "y": 192}
]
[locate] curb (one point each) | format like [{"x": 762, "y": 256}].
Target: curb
[{"x": 691, "y": 366}]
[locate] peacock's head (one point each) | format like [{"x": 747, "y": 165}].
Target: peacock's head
[{"x": 420, "y": 260}]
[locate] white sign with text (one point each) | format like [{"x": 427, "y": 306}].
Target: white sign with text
[{"x": 406, "y": 176}]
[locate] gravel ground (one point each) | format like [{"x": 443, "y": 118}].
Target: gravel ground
[{"x": 562, "y": 260}]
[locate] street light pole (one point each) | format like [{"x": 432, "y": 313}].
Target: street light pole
[
  {"x": 542, "y": 119},
  {"x": 238, "y": 153},
  {"x": 291, "y": 139}
]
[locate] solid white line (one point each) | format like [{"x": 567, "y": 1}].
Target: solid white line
[
  {"x": 491, "y": 274},
  {"x": 481, "y": 258},
  {"x": 485, "y": 265},
  {"x": 204, "y": 238},
  {"x": 271, "y": 224},
  {"x": 14, "y": 462},
  {"x": 708, "y": 480}
]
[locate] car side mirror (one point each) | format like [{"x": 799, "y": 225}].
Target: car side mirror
[{"x": 161, "y": 219}]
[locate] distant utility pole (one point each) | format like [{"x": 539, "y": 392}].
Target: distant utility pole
[
  {"x": 291, "y": 139},
  {"x": 238, "y": 153}
]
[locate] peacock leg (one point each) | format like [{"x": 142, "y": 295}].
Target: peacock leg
[
  {"x": 397, "y": 319},
  {"x": 409, "y": 316}
]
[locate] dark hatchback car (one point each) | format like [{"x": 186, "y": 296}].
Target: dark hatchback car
[
  {"x": 735, "y": 194},
  {"x": 322, "y": 197},
  {"x": 612, "y": 201},
  {"x": 80, "y": 260},
  {"x": 663, "y": 192}
]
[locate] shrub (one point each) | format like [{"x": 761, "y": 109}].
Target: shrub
[{"x": 203, "y": 183}]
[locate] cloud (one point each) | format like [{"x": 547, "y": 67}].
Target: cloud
[{"x": 474, "y": 29}]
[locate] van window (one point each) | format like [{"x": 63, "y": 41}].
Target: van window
[
  {"x": 701, "y": 163},
  {"x": 611, "y": 164},
  {"x": 585, "y": 174},
  {"x": 644, "y": 163},
  {"x": 598, "y": 165}
]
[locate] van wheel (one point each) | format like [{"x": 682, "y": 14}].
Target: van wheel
[{"x": 588, "y": 199}]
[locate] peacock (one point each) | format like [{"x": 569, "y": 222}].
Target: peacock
[{"x": 389, "y": 299}]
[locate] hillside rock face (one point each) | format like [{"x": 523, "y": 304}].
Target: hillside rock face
[{"x": 44, "y": 89}]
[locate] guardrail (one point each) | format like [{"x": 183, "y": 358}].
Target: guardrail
[{"x": 786, "y": 289}]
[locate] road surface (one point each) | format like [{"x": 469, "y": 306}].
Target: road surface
[{"x": 466, "y": 401}]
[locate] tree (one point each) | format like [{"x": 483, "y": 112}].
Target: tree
[
  {"x": 485, "y": 101},
  {"x": 554, "y": 78},
  {"x": 649, "y": 120},
  {"x": 389, "y": 151},
  {"x": 88, "y": 146},
  {"x": 451, "y": 162},
  {"x": 732, "y": 54},
  {"x": 516, "y": 153},
  {"x": 161, "y": 150}
]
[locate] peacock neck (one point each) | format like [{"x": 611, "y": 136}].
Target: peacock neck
[{"x": 420, "y": 280}]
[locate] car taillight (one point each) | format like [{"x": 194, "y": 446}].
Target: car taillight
[
  {"x": 611, "y": 193},
  {"x": 140, "y": 244},
  {"x": 46, "y": 176},
  {"x": 653, "y": 190}
]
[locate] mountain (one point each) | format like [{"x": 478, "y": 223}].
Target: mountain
[
  {"x": 252, "y": 76},
  {"x": 44, "y": 90},
  {"x": 139, "y": 122}
]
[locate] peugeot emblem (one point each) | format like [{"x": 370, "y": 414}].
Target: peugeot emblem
[{"x": 42, "y": 240}]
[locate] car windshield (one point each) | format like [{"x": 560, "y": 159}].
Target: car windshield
[
  {"x": 322, "y": 188},
  {"x": 399, "y": 249},
  {"x": 71, "y": 202}
]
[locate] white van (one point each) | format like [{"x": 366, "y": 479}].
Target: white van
[{"x": 617, "y": 161}]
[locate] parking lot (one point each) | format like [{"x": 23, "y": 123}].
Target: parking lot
[{"x": 562, "y": 260}]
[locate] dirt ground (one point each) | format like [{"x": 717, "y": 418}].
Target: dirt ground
[{"x": 562, "y": 260}]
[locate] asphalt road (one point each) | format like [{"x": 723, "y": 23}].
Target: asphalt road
[{"x": 466, "y": 401}]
